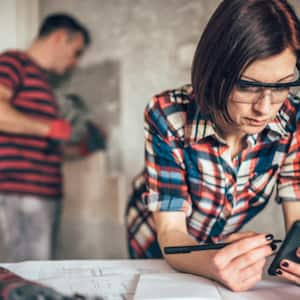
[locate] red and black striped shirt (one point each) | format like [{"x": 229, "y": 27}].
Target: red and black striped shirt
[{"x": 29, "y": 164}]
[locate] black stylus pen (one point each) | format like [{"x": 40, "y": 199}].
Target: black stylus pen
[{"x": 188, "y": 249}]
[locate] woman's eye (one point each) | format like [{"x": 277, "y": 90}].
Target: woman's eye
[
  {"x": 281, "y": 89},
  {"x": 248, "y": 89}
]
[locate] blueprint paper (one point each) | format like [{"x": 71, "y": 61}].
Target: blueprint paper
[
  {"x": 126, "y": 279},
  {"x": 175, "y": 286}
]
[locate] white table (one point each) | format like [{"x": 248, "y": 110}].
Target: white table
[{"x": 118, "y": 279}]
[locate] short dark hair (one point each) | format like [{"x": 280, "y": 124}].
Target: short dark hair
[
  {"x": 64, "y": 21},
  {"x": 238, "y": 33}
]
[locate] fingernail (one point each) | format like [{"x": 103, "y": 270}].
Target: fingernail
[
  {"x": 269, "y": 237},
  {"x": 273, "y": 246},
  {"x": 285, "y": 264},
  {"x": 278, "y": 272}
]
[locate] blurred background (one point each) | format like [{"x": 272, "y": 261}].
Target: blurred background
[{"x": 138, "y": 49}]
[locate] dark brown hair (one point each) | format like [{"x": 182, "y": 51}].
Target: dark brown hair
[
  {"x": 238, "y": 33},
  {"x": 58, "y": 21}
]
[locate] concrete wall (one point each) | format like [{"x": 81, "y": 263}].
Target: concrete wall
[{"x": 153, "y": 43}]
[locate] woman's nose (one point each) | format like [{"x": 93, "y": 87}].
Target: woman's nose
[{"x": 264, "y": 103}]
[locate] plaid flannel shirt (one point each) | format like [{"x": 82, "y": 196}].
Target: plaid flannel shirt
[{"x": 189, "y": 168}]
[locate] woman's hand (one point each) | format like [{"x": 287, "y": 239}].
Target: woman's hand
[
  {"x": 239, "y": 266},
  {"x": 238, "y": 236},
  {"x": 290, "y": 270}
]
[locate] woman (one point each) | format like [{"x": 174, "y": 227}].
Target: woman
[{"x": 217, "y": 149}]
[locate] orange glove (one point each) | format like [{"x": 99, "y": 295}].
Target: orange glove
[{"x": 59, "y": 130}]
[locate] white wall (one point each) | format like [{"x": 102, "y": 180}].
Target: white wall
[
  {"x": 27, "y": 21},
  {"x": 8, "y": 21},
  {"x": 18, "y": 23}
]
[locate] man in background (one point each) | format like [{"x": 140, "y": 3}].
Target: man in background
[{"x": 30, "y": 131}]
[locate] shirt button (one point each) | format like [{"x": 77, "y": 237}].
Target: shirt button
[
  {"x": 229, "y": 197},
  {"x": 226, "y": 213}
]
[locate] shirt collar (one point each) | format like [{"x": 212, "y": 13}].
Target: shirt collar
[{"x": 198, "y": 125}]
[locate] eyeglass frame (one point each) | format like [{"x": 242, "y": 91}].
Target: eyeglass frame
[
  {"x": 248, "y": 83},
  {"x": 242, "y": 83}
]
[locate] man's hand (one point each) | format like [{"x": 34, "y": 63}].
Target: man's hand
[
  {"x": 239, "y": 266},
  {"x": 16, "y": 122}
]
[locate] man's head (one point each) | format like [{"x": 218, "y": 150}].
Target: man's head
[{"x": 67, "y": 39}]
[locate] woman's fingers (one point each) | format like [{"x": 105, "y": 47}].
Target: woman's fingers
[
  {"x": 241, "y": 247},
  {"x": 240, "y": 284},
  {"x": 249, "y": 282},
  {"x": 240, "y": 264},
  {"x": 253, "y": 270},
  {"x": 252, "y": 257},
  {"x": 289, "y": 270},
  {"x": 238, "y": 236},
  {"x": 290, "y": 266},
  {"x": 288, "y": 276}
]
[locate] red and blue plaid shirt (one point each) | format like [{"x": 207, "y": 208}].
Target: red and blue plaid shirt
[{"x": 189, "y": 168}]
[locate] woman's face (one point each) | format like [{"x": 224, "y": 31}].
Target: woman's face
[{"x": 251, "y": 110}]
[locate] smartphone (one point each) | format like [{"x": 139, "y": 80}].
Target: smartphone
[{"x": 288, "y": 248}]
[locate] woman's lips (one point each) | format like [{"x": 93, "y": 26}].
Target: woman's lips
[{"x": 255, "y": 122}]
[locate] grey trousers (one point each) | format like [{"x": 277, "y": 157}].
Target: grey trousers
[{"x": 28, "y": 227}]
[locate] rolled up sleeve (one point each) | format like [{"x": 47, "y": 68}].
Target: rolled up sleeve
[{"x": 164, "y": 159}]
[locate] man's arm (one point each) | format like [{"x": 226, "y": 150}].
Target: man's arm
[{"x": 14, "y": 121}]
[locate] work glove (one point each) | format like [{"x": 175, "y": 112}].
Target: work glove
[{"x": 59, "y": 130}]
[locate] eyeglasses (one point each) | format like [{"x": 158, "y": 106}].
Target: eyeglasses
[{"x": 252, "y": 91}]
